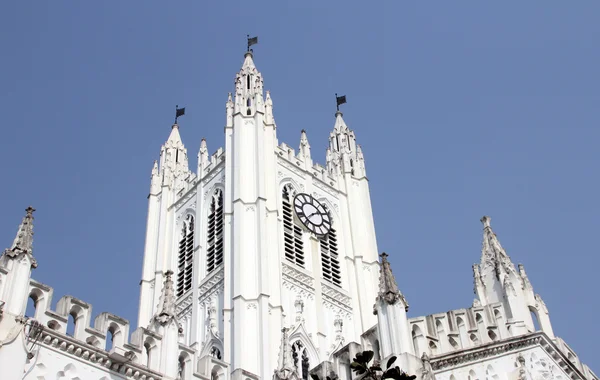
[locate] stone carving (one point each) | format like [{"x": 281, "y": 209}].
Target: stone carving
[
  {"x": 326, "y": 188},
  {"x": 183, "y": 305},
  {"x": 336, "y": 297},
  {"x": 299, "y": 305},
  {"x": 211, "y": 285},
  {"x": 166, "y": 309},
  {"x": 427, "y": 371},
  {"x": 297, "y": 278},
  {"x": 286, "y": 370}
]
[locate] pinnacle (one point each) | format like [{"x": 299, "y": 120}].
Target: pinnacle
[
  {"x": 23, "y": 243},
  {"x": 388, "y": 288}
]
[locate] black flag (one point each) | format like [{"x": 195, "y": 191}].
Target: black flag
[
  {"x": 252, "y": 41},
  {"x": 340, "y": 100},
  {"x": 179, "y": 112}
]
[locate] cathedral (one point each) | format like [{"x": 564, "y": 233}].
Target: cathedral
[{"x": 261, "y": 264}]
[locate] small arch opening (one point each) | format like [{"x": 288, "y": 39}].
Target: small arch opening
[
  {"x": 148, "y": 353},
  {"x": 248, "y": 82},
  {"x": 71, "y": 324},
  {"x": 248, "y": 112},
  {"x": 215, "y": 353},
  {"x": 492, "y": 335},
  {"x": 54, "y": 325},
  {"x": 31, "y": 307},
  {"x": 535, "y": 319}
]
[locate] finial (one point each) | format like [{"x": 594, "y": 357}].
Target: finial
[{"x": 486, "y": 221}]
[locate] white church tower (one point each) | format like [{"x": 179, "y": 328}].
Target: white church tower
[{"x": 260, "y": 239}]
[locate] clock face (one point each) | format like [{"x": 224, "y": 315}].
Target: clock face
[{"x": 312, "y": 214}]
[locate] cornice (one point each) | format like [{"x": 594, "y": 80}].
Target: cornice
[{"x": 465, "y": 357}]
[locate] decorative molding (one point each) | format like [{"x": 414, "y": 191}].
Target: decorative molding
[
  {"x": 211, "y": 284},
  {"x": 337, "y": 299},
  {"x": 250, "y": 208},
  {"x": 182, "y": 306},
  {"x": 297, "y": 281},
  {"x": 328, "y": 189},
  {"x": 252, "y": 305},
  {"x": 300, "y": 173},
  {"x": 213, "y": 173},
  {"x": 56, "y": 341}
]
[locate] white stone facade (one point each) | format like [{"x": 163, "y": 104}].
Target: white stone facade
[{"x": 234, "y": 287}]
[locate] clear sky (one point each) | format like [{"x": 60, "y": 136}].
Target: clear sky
[{"x": 463, "y": 108}]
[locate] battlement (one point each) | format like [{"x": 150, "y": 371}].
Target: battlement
[
  {"x": 215, "y": 159},
  {"x": 105, "y": 342}
]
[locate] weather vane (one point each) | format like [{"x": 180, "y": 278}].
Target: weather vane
[
  {"x": 179, "y": 112},
  {"x": 251, "y": 41},
  {"x": 339, "y": 100}
]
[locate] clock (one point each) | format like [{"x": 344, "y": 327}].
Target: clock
[{"x": 312, "y": 214}]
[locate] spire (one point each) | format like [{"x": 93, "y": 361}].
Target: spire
[
  {"x": 229, "y": 110},
  {"x": 166, "y": 306},
  {"x": 493, "y": 256},
  {"x": 248, "y": 88},
  {"x": 23, "y": 243},
  {"x": 285, "y": 364},
  {"x": 388, "y": 289}
]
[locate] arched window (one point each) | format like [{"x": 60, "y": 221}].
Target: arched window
[
  {"x": 110, "y": 337},
  {"x": 472, "y": 375},
  {"x": 71, "y": 323},
  {"x": 301, "y": 361},
  {"x": 292, "y": 234},
  {"x": 534, "y": 319},
  {"x": 185, "y": 259},
  {"x": 462, "y": 331},
  {"x": 215, "y": 232},
  {"x": 31, "y": 307},
  {"x": 330, "y": 262},
  {"x": 418, "y": 340}
]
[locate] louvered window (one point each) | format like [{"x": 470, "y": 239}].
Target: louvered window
[
  {"x": 214, "y": 233},
  {"x": 185, "y": 258},
  {"x": 330, "y": 262},
  {"x": 292, "y": 234}
]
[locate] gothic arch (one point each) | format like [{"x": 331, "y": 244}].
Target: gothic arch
[
  {"x": 39, "y": 301},
  {"x": 151, "y": 354},
  {"x": 213, "y": 347},
  {"x": 299, "y": 334},
  {"x": 293, "y": 186},
  {"x": 213, "y": 229}
]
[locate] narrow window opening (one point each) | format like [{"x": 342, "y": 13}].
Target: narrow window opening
[
  {"x": 301, "y": 361},
  {"x": 181, "y": 369},
  {"x": 248, "y": 103},
  {"x": 177, "y": 155},
  {"x": 148, "y": 350},
  {"x": 71, "y": 324},
  {"x": 534, "y": 318},
  {"x": 292, "y": 234},
  {"x": 249, "y": 112},
  {"x": 215, "y": 353},
  {"x": 215, "y": 232},
  {"x": 248, "y": 82},
  {"x": 185, "y": 258},
  {"x": 330, "y": 263},
  {"x": 110, "y": 336},
  {"x": 31, "y": 307}
]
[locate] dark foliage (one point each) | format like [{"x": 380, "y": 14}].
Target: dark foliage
[{"x": 360, "y": 365}]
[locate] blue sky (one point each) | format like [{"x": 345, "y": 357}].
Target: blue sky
[{"x": 462, "y": 108}]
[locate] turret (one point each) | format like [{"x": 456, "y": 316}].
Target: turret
[
  {"x": 18, "y": 261},
  {"x": 248, "y": 88},
  {"x": 498, "y": 280},
  {"x": 169, "y": 176}
]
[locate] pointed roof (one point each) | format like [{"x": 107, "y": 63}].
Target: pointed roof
[
  {"x": 203, "y": 147},
  {"x": 23, "y": 243},
  {"x": 285, "y": 364},
  {"x": 388, "y": 288},
  {"x": 492, "y": 253},
  {"x": 248, "y": 61},
  {"x": 340, "y": 125},
  {"x": 175, "y": 137},
  {"x": 166, "y": 306}
]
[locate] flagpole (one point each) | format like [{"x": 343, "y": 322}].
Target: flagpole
[{"x": 337, "y": 104}]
